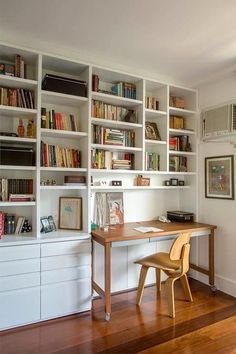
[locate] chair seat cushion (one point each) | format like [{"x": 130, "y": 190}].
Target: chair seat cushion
[{"x": 160, "y": 260}]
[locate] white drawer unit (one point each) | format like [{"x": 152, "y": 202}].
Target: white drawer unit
[
  {"x": 65, "y": 278},
  {"x": 19, "y": 285}
]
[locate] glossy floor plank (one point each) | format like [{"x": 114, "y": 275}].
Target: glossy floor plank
[{"x": 131, "y": 329}]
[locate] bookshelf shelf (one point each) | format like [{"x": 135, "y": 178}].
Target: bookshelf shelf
[
  {"x": 77, "y": 187},
  {"x": 16, "y": 111},
  {"x": 154, "y": 142},
  {"x": 115, "y": 148},
  {"x": 116, "y": 100},
  {"x": 181, "y": 112},
  {"x": 181, "y": 132},
  {"x": 17, "y": 82},
  {"x": 64, "y": 169},
  {"x": 57, "y": 98},
  {"x": 135, "y": 188},
  {"x": 104, "y": 171},
  {"x": 12, "y": 167},
  {"x": 62, "y": 133},
  {"x": 182, "y": 153},
  {"x": 115, "y": 123},
  {"x": 151, "y": 113},
  {"x": 14, "y": 139},
  {"x": 10, "y": 204}
]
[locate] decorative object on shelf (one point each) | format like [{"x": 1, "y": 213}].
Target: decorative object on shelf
[
  {"x": 115, "y": 208},
  {"x": 16, "y": 155},
  {"x": 47, "y": 224},
  {"x": 174, "y": 181},
  {"x": 26, "y": 226},
  {"x": 177, "y": 102},
  {"x": 48, "y": 182},
  {"x": 30, "y": 128},
  {"x": 101, "y": 209},
  {"x": 64, "y": 85},
  {"x": 142, "y": 181},
  {"x": 93, "y": 226},
  {"x": 70, "y": 213},
  {"x": 151, "y": 131},
  {"x": 74, "y": 180},
  {"x": 219, "y": 177},
  {"x": 181, "y": 182},
  {"x": 116, "y": 183},
  {"x": 21, "y": 129},
  {"x": 167, "y": 182}
]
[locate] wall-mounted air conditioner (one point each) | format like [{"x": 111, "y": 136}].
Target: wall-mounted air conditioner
[{"x": 219, "y": 121}]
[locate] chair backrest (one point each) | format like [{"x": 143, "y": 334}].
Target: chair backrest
[{"x": 177, "y": 246}]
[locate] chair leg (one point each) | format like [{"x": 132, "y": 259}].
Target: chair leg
[
  {"x": 142, "y": 278},
  {"x": 158, "y": 279},
  {"x": 170, "y": 296},
  {"x": 185, "y": 285}
]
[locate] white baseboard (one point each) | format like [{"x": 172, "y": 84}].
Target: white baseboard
[{"x": 226, "y": 285}]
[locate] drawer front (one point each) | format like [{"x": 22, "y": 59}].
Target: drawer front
[
  {"x": 65, "y": 261},
  {"x": 65, "y": 247},
  {"x": 19, "y": 267},
  {"x": 65, "y": 298},
  {"x": 19, "y": 307},
  {"x": 19, "y": 252},
  {"x": 19, "y": 281},
  {"x": 66, "y": 274}
]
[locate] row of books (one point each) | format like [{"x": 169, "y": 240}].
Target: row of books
[
  {"x": 177, "y": 122},
  {"x": 124, "y": 89},
  {"x": 178, "y": 164},
  {"x": 16, "y": 97},
  {"x": 56, "y": 156},
  {"x": 151, "y": 103},
  {"x": 95, "y": 83},
  {"x": 152, "y": 160},
  {"x": 102, "y": 159},
  {"x": 177, "y": 102},
  {"x": 107, "y": 111},
  {"x": 57, "y": 120},
  {"x": 179, "y": 143},
  {"x": 9, "y": 226},
  {"x": 13, "y": 69},
  {"x": 10, "y": 186},
  {"x": 109, "y": 136}
]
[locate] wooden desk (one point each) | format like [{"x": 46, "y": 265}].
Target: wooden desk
[{"x": 125, "y": 235}]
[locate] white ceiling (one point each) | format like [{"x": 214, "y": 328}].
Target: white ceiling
[{"x": 188, "y": 41}]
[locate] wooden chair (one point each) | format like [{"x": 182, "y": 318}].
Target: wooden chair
[{"x": 175, "y": 264}]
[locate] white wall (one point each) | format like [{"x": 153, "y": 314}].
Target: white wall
[{"x": 215, "y": 211}]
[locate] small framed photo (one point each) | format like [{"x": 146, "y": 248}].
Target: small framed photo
[
  {"x": 52, "y": 223},
  {"x": 151, "y": 131},
  {"x": 174, "y": 181},
  {"x": 219, "y": 177},
  {"x": 70, "y": 213},
  {"x": 45, "y": 226}
]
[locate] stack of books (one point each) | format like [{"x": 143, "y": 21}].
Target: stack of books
[
  {"x": 57, "y": 120},
  {"x": 21, "y": 197},
  {"x": 15, "y": 186},
  {"x": 151, "y": 103},
  {"x": 178, "y": 164},
  {"x": 152, "y": 161},
  {"x": 13, "y": 69},
  {"x": 107, "y": 111},
  {"x": 113, "y": 136},
  {"x": 176, "y": 122},
  {"x": 95, "y": 83},
  {"x": 102, "y": 159},
  {"x": 179, "y": 143},
  {"x": 124, "y": 89}
]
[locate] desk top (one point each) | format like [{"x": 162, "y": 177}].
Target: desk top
[{"x": 126, "y": 231}]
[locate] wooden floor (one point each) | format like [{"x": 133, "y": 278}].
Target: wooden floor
[{"x": 208, "y": 325}]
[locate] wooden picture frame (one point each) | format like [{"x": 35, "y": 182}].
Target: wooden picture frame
[
  {"x": 219, "y": 177},
  {"x": 151, "y": 131},
  {"x": 70, "y": 213}
]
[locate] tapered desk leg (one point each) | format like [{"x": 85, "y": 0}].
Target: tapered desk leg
[
  {"x": 107, "y": 280},
  {"x": 211, "y": 261}
]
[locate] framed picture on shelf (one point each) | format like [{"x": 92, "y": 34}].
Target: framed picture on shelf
[
  {"x": 219, "y": 177},
  {"x": 70, "y": 213},
  {"x": 45, "y": 226},
  {"x": 151, "y": 131},
  {"x": 115, "y": 208}
]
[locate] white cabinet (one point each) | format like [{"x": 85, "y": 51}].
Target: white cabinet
[
  {"x": 19, "y": 285},
  {"x": 65, "y": 278}
]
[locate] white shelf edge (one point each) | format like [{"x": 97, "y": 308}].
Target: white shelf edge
[
  {"x": 155, "y": 112},
  {"x": 17, "y": 139},
  {"x": 115, "y": 122},
  {"x": 182, "y": 131},
  {"x": 181, "y": 110},
  {"x": 137, "y": 187},
  {"x": 62, "y": 187},
  {"x": 155, "y": 142},
  {"x": 17, "y": 110},
  {"x": 59, "y": 169},
  {"x": 124, "y": 100},
  {"x": 64, "y": 96},
  {"x": 115, "y": 147},
  {"x": 19, "y": 81},
  {"x": 143, "y": 172},
  {"x": 13, "y": 167},
  {"x": 52, "y": 132},
  {"x": 181, "y": 153},
  {"x": 8, "y": 204}
]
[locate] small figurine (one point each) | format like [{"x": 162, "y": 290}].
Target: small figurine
[
  {"x": 30, "y": 129},
  {"x": 21, "y": 129}
]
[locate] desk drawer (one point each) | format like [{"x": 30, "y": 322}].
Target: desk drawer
[
  {"x": 67, "y": 274},
  {"x": 65, "y": 261},
  {"x": 19, "y": 252},
  {"x": 19, "y": 267},
  {"x": 67, "y": 247},
  {"x": 19, "y": 281}
]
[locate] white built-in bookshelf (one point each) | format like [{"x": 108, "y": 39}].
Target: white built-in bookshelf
[{"x": 47, "y": 196}]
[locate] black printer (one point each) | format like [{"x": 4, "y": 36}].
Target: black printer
[{"x": 181, "y": 216}]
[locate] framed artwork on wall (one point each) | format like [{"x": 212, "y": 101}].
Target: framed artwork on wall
[
  {"x": 219, "y": 177},
  {"x": 70, "y": 213}
]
